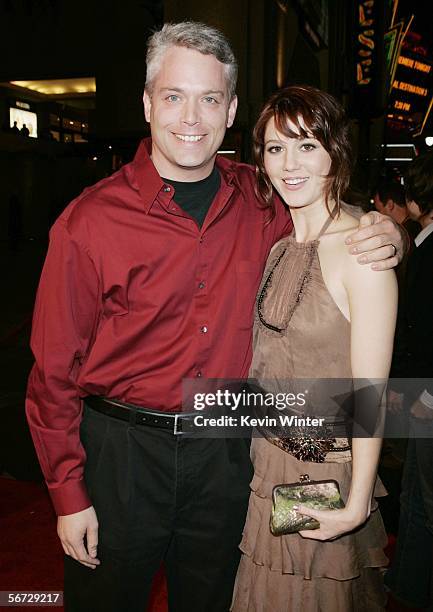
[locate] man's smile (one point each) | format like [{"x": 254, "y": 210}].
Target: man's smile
[{"x": 189, "y": 138}]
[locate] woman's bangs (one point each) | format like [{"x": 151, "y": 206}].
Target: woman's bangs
[{"x": 288, "y": 112}]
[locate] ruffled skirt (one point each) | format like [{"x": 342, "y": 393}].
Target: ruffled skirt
[{"x": 290, "y": 573}]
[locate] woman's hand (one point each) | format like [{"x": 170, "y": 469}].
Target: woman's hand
[{"x": 333, "y": 523}]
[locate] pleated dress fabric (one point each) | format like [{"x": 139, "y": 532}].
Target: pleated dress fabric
[{"x": 290, "y": 573}]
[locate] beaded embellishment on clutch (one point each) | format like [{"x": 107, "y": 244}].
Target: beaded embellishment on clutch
[{"x": 320, "y": 495}]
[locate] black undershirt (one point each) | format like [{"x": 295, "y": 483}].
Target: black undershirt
[{"x": 196, "y": 198}]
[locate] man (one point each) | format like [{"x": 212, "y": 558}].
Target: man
[
  {"x": 410, "y": 577},
  {"x": 151, "y": 278},
  {"x": 25, "y": 130},
  {"x": 390, "y": 199}
]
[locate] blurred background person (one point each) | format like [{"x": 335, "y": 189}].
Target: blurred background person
[
  {"x": 25, "y": 130},
  {"x": 390, "y": 199},
  {"x": 410, "y": 575},
  {"x": 15, "y": 129}
]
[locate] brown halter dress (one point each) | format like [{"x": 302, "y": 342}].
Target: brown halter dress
[{"x": 300, "y": 332}]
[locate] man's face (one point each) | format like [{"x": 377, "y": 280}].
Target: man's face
[
  {"x": 413, "y": 210},
  {"x": 379, "y": 205},
  {"x": 189, "y": 111}
]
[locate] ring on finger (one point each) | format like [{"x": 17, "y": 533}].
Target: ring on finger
[{"x": 395, "y": 250}]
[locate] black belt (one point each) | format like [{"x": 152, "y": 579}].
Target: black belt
[{"x": 137, "y": 415}]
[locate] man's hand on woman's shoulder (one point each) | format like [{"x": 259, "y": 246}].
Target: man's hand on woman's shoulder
[{"x": 379, "y": 240}]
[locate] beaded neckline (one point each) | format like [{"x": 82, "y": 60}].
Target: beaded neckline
[
  {"x": 302, "y": 282},
  {"x": 301, "y": 286}
]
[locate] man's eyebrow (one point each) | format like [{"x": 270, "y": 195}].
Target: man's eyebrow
[
  {"x": 178, "y": 89},
  {"x": 218, "y": 92}
]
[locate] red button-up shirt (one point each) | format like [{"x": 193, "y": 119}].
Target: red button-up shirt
[{"x": 134, "y": 297}]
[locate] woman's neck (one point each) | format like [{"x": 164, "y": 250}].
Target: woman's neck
[{"x": 309, "y": 220}]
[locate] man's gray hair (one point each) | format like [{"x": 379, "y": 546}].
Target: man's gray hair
[{"x": 192, "y": 35}]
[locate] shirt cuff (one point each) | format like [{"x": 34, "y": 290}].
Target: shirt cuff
[
  {"x": 426, "y": 399},
  {"x": 70, "y": 498}
]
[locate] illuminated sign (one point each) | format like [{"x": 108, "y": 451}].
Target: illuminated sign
[
  {"x": 411, "y": 90},
  {"x": 412, "y": 63},
  {"x": 369, "y": 84},
  {"x": 402, "y": 105},
  {"x": 392, "y": 41},
  {"x": 414, "y": 89},
  {"x": 23, "y": 117},
  {"x": 22, "y": 105},
  {"x": 366, "y": 42},
  {"x": 426, "y": 116}
]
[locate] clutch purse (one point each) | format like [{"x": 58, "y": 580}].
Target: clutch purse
[{"x": 317, "y": 494}]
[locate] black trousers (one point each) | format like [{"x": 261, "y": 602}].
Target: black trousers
[{"x": 160, "y": 498}]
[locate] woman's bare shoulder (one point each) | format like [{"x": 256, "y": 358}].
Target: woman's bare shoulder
[
  {"x": 335, "y": 244},
  {"x": 343, "y": 225},
  {"x": 340, "y": 228}
]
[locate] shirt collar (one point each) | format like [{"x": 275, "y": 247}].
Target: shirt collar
[
  {"x": 145, "y": 177},
  {"x": 426, "y": 231},
  {"x": 144, "y": 174},
  {"x": 228, "y": 170}
]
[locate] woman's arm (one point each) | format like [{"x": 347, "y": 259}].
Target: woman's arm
[
  {"x": 373, "y": 309},
  {"x": 372, "y": 299}
]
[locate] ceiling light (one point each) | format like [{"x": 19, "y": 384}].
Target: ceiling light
[{"x": 60, "y": 86}]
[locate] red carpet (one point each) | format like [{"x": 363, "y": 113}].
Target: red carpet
[
  {"x": 30, "y": 553},
  {"x": 31, "y": 557}
]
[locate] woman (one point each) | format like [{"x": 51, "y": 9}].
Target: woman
[{"x": 319, "y": 314}]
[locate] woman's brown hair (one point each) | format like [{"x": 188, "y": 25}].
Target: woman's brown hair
[{"x": 313, "y": 113}]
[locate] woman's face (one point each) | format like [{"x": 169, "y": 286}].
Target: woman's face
[{"x": 297, "y": 167}]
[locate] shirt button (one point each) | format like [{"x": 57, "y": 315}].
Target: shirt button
[
  {"x": 201, "y": 239},
  {"x": 203, "y": 329},
  {"x": 199, "y": 374},
  {"x": 201, "y": 285},
  {"x": 167, "y": 189}
]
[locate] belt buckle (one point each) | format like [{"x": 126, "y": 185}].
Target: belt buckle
[{"x": 176, "y": 431}]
